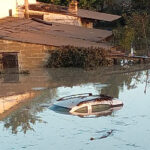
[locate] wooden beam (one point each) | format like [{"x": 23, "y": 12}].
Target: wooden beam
[
  {"x": 42, "y": 21},
  {"x": 26, "y": 13}
]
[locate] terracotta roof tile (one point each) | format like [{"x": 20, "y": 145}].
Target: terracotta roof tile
[
  {"x": 97, "y": 15},
  {"x": 81, "y": 12},
  {"x": 30, "y": 31}
]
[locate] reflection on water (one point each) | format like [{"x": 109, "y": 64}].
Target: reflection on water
[
  {"x": 21, "y": 120},
  {"x": 25, "y": 117},
  {"x": 11, "y": 78},
  {"x": 11, "y": 75},
  {"x": 36, "y": 127}
]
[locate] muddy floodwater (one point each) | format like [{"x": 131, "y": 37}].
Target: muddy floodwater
[{"x": 31, "y": 125}]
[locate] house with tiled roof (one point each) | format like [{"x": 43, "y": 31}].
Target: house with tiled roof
[
  {"x": 67, "y": 15},
  {"x": 10, "y": 7},
  {"x": 25, "y": 42}
]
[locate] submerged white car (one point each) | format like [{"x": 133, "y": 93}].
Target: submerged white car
[{"x": 85, "y": 105}]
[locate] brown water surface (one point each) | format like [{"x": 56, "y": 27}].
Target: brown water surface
[{"x": 31, "y": 125}]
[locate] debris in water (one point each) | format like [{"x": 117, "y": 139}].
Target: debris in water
[
  {"x": 91, "y": 138},
  {"x": 107, "y": 134}
]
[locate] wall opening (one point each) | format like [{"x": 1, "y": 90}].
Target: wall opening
[
  {"x": 10, "y": 12},
  {"x": 10, "y": 60}
]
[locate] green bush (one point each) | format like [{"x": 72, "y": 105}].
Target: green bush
[{"x": 69, "y": 56}]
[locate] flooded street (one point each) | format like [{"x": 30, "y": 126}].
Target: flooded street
[{"x": 31, "y": 125}]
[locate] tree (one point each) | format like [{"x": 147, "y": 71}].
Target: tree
[
  {"x": 56, "y": 2},
  {"x": 141, "y": 5},
  {"x": 136, "y": 31},
  {"x": 98, "y": 5}
]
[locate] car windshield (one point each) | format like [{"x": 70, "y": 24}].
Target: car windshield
[{"x": 59, "y": 109}]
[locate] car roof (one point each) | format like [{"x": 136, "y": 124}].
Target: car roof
[{"x": 71, "y": 102}]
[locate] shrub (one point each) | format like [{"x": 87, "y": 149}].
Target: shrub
[{"x": 69, "y": 56}]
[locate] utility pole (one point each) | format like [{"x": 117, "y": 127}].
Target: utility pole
[
  {"x": 26, "y": 13},
  {"x": 145, "y": 36}
]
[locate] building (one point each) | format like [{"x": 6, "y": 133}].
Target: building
[
  {"x": 10, "y": 7},
  {"x": 24, "y": 43},
  {"x": 67, "y": 15},
  {"x": 54, "y": 13}
]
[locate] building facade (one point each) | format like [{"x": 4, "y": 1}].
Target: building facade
[
  {"x": 9, "y": 7},
  {"x": 23, "y": 56},
  {"x": 24, "y": 43},
  {"x": 71, "y": 15}
]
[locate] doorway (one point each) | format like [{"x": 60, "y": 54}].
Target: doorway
[
  {"x": 10, "y": 67},
  {"x": 10, "y": 60},
  {"x": 10, "y": 13}
]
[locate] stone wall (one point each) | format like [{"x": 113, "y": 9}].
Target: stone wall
[
  {"x": 29, "y": 55},
  {"x": 64, "y": 19},
  {"x": 60, "y": 18}
]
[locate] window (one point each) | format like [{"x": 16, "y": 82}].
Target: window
[
  {"x": 10, "y": 60},
  {"x": 99, "y": 108},
  {"x": 9, "y": 64},
  {"x": 82, "y": 110},
  {"x": 10, "y": 12}
]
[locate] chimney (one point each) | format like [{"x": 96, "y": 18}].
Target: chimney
[
  {"x": 73, "y": 7},
  {"x": 26, "y": 13}
]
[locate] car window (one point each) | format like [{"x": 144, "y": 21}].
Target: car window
[
  {"x": 82, "y": 110},
  {"x": 99, "y": 108}
]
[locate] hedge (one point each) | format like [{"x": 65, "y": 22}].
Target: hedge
[{"x": 69, "y": 56}]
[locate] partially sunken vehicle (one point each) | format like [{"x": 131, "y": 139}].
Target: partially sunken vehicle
[{"x": 87, "y": 105}]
